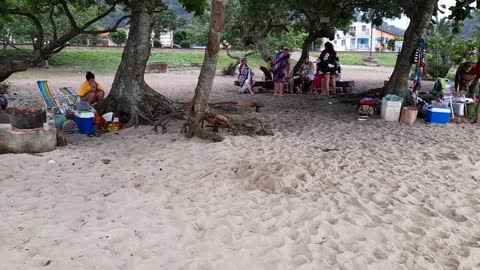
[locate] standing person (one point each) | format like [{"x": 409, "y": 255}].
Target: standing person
[
  {"x": 476, "y": 71},
  {"x": 281, "y": 65},
  {"x": 90, "y": 90},
  {"x": 307, "y": 73},
  {"x": 328, "y": 66},
  {"x": 245, "y": 77}
]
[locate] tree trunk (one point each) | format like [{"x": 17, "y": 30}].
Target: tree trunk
[
  {"x": 130, "y": 95},
  {"x": 305, "y": 49},
  {"x": 420, "y": 17},
  {"x": 199, "y": 105},
  {"x": 263, "y": 49}
]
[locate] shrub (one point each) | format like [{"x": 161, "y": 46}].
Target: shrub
[
  {"x": 4, "y": 88},
  {"x": 230, "y": 69},
  {"x": 185, "y": 44},
  {"x": 157, "y": 43}
]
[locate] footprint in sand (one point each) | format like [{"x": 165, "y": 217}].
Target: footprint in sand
[
  {"x": 451, "y": 214},
  {"x": 426, "y": 212},
  {"x": 416, "y": 230}
]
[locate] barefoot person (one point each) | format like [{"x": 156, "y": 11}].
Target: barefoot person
[
  {"x": 281, "y": 65},
  {"x": 90, "y": 90},
  {"x": 328, "y": 66}
]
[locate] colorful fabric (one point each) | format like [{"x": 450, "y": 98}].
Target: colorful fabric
[
  {"x": 420, "y": 60},
  {"x": 85, "y": 88},
  {"x": 244, "y": 74},
  {"x": 47, "y": 97},
  {"x": 280, "y": 65},
  {"x": 308, "y": 69},
  {"x": 328, "y": 62}
]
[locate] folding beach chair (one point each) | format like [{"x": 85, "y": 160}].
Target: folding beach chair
[
  {"x": 70, "y": 94},
  {"x": 49, "y": 100}
]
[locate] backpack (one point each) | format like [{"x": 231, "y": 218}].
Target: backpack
[{"x": 442, "y": 87}]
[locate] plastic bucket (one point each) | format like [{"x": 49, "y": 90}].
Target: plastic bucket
[
  {"x": 85, "y": 121},
  {"x": 459, "y": 109},
  {"x": 409, "y": 115}
]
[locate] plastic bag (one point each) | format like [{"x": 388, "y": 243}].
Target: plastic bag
[
  {"x": 391, "y": 97},
  {"x": 84, "y": 106},
  {"x": 70, "y": 126}
]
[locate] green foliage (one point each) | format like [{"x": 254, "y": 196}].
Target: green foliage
[
  {"x": 157, "y": 43},
  {"x": 196, "y": 6},
  {"x": 179, "y": 36},
  {"x": 197, "y": 30},
  {"x": 119, "y": 37},
  {"x": 185, "y": 44},
  {"x": 465, "y": 50},
  {"x": 166, "y": 21},
  {"x": 437, "y": 69},
  {"x": 461, "y": 11},
  {"x": 290, "y": 39},
  {"x": 4, "y": 88},
  {"x": 230, "y": 69},
  {"x": 95, "y": 40}
]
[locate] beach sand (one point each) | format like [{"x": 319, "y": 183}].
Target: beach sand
[{"x": 325, "y": 192}]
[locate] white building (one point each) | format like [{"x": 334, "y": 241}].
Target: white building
[{"x": 358, "y": 38}]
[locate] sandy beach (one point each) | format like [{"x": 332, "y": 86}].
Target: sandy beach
[{"x": 325, "y": 192}]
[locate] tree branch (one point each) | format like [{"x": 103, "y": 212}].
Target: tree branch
[
  {"x": 113, "y": 29},
  {"x": 69, "y": 15},
  {"x": 38, "y": 26},
  {"x": 101, "y": 16},
  {"x": 52, "y": 21}
]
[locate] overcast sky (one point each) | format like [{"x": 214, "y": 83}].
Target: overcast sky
[{"x": 403, "y": 22}]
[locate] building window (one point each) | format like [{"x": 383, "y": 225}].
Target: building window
[
  {"x": 335, "y": 42},
  {"x": 343, "y": 42},
  {"x": 353, "y": 29},
  {"x": 364, "y": 28}
]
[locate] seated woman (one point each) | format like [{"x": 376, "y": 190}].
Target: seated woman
[
  {"x": 90, "y": 91},
  {"x": 245, "y": 77},
  {"x": 307, "y": 73}
]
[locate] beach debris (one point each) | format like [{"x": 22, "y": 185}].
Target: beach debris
[
  {"x": 51, "y": 161},
  {"x": 328, "y": 149},
  {"x": 136, "y": 185},
  {"x": 106, "y": 161},
  {"x": 47, "y": 263}
]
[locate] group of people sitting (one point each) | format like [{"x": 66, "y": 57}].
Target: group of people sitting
[{"x": 325, "y": 71}]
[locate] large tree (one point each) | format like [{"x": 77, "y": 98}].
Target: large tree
[
  {"x": 43, "y": 16},
  {"x": 420, "y": 13},
  {"x": 199, "y": 105}
]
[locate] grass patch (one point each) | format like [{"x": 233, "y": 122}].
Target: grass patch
[{"x": 99, "y": 60}]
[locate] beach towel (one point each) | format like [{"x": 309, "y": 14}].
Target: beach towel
[{"x": 280, "y": 65}]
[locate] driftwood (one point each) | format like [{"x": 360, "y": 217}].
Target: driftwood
[{"x": 356, "y": 97}]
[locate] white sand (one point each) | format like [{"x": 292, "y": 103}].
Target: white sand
[{"x": 389, "y": 197}]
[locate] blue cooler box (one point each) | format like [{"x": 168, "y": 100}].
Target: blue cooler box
[
  {"x": 437, "y": 115},
  {"x": 85, "y": 122}
]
